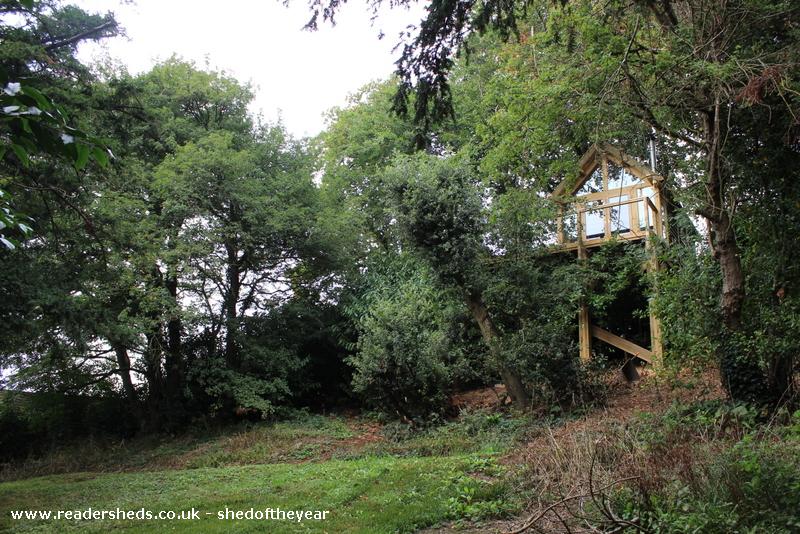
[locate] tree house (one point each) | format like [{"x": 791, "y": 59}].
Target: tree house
[{"x": 613, "y": 197}]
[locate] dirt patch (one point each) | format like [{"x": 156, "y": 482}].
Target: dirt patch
[
  {"x": 365, "y": 434},
  {"x": 489, "y": 527},
  {"x": 480, "y": 399}
]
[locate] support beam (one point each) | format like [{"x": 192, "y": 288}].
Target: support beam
[
  {"x": 584, "y": 335},
  {"x": 655, "y": 339},
  {"x": 656, "y": 344},
  {"x": 623, "y": 344},
  {"x": 584, "y": 326}
]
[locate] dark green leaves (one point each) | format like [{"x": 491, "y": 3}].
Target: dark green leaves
[{"x": 35, "y": 125}]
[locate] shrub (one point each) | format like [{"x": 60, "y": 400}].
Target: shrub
[
  {"x": 402, "y": 364},
  {"x": 32, "y": 422}
]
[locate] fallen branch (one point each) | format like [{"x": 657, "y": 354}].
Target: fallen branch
[{"x": 531, "y": 521}]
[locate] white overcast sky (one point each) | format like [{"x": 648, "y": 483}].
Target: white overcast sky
[{"x": 296, "y": 73}]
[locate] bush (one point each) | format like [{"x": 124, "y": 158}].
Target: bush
[
  {"x": 32, "y": 422},
  {"x": 402, "y": 364},
  {"x": 535, "y": 302}
]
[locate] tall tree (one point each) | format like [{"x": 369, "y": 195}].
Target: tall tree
[
  {"x": 440, "y": 210},
  {"x": 688, "y": 69}
]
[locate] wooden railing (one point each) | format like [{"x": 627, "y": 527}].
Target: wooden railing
[{"x": 653, "y": 225}]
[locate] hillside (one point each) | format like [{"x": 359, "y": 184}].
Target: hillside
[{"x": 465, "y": 475}]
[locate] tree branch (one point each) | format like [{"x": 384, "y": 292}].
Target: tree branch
[{"x": 80, "y": 36}]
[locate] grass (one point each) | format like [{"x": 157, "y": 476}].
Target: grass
[
  {"x": 368, "y": 482},
  {"x": 364, "y": 495},
  {"x": 707, "y": 467},
  {"x": 302, "y": 438},
  {"x": 307, "y": 438}
]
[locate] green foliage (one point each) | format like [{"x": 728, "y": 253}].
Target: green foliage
[
  {"x": 223, "y": 386},
  {"x": 737, "y": 474},
  {"x": 360, "y": 141},
  {"x": 687, "y": 301},
  {"x": 439, "y": 210},
  {"x": 406, "y": 350},
  {"x": 32, "y": 125},
  {"x": 612, "y": 269},
  {"x": 478, "y": 499}
]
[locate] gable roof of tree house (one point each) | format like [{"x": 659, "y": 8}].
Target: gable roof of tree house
[{"x": 614, "y": 196}]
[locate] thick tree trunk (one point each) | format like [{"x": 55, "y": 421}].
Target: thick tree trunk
[
  {"x": 720, "y": 224},
  {"x": 174, "y": 358},
  {"x": 232, "y": 274},
  {"x": 124, "y": 365},
  {"x": 511, "y": 380},
  {"x": 155, "y": 378},
  {"x": 726, "y": 250},
  {"x": 153, "y": 357},
  {"x": 741, "y": 377}
]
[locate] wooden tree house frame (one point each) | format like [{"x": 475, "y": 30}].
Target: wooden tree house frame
[{"x": 613, "y": 197}]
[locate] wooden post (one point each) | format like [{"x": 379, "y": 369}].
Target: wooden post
[
  {"x": 584, "y": 333},
  {"x": 656, "y": 344},
  {"x": 606, "y": 200},
  {"x": 584, "y": 326},
  {"x": 662, "y": 213}
]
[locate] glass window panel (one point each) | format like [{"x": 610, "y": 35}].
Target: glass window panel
[
  {"x": 621, "y": 215},
  {"x": 619, "y": 177},
  {"x": 594, "y": 221},
  {"x": 594, "y": 184}
]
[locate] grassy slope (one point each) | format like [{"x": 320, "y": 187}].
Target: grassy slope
[
  {"x": 699, "y": 465},
  {"x": 368, "y": 484},
  {"x": 373, "y": 494}
]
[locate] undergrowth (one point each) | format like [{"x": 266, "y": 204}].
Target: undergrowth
[
  {"x": 717, "y": 468},
  {"x": 709, "y": 467}
]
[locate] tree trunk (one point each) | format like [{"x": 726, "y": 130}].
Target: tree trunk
[
  {"x": 741, "y": 377},
  {"x": 232, "y": 275},
  {"x": 124, "y": 365},
  {"x": 174, "y": 358},
  {"x": 153, "y": 357},
  {"x": 155, "y": 378},
  {"x": 720, "y": 224},
  {"x": 726, "y": 250},
  {"x": 511, "y": 380}
]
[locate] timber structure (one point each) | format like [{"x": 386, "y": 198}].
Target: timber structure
[{"x": 614, "y": 197}]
